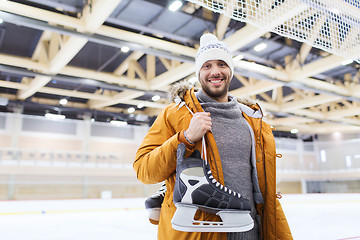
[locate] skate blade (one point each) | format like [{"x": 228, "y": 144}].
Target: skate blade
[
  {"x": 153, "y": 214},
  {"x": 232, "y": 221}
]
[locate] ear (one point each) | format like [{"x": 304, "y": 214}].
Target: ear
[{"x": 181, "y": 149}]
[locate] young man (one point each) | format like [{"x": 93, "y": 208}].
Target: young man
[{"x": 240, "y": 148}]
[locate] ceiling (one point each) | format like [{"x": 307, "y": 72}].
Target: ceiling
[{"x": 74, "y": 49}]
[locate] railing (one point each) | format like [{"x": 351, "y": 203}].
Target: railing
[
  {"x": 297, "y": 156},
  {"x": 318, "y": 157},
  {"x": 31, "y": 157}
]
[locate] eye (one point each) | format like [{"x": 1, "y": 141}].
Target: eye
[
  {"x": 206, "y": 66},
  {"x": 222, "y": 64}
]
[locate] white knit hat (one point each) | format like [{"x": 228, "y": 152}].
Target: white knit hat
[{"x": 212, "y": 49}]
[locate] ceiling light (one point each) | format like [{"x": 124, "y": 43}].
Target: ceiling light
[
  {"x": 118, "y": 123},
  {"x": 238, "y": 58},
  {"x": 347, "y": 62},
  {"x": 63, "y": 101},
  {"x": 131, "y": 110},
  {"x": 294, "y": 131},
  {"x": 92, "y": 120},
  {"x": 175, "y": 5},
  {"x": 155, "y": 98},
  {"x": 260, "y": 47},
  {"x": 125, "y": 49},
  {"x": 337, "y": 135},
  {"x": 54, "y": 116},
  {"x": 140, "y": 105}
]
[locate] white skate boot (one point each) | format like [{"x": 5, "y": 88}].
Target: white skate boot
[{"x": 196, "y": 189}]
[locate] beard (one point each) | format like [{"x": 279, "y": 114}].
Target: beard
[{"x": 215, "y": 93}]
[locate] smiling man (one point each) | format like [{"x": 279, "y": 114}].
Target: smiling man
[
  {"x": 240, "y": 150},
  {"x": 214, "y": 67},
  {"x": 215, "y": 77}
]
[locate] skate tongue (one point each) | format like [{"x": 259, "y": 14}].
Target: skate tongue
[
  {"x": 196, "y": 154},
  {"x": 181, "y": 149}
]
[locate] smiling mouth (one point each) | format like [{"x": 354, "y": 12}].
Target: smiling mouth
[{"x": 215, "y": 81}]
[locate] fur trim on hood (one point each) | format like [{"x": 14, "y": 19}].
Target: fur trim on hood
[
  {"x": 247, "y": 101},
  {"x": 179, "y": 89}
]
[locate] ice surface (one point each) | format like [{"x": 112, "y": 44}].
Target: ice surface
[{"x": 310, "y": 216}]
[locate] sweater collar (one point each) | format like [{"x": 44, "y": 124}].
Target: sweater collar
[
  {"x": 203, "y": 98},
  {"x": 229, "y": 109}
]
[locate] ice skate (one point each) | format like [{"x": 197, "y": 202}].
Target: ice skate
[
  {"x": 196, "y": 189},
  {"x": 153, "y": 205}
]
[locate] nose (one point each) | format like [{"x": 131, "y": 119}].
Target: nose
[{"x": 215, "y": 70}]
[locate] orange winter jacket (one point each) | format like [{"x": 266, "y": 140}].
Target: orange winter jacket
[{"x": 155, "y": 162}]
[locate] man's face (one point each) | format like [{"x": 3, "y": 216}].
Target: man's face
[{"x": 214, "y": 77}]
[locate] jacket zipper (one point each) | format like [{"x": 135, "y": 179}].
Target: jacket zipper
[{"x": 263, "y": 161}]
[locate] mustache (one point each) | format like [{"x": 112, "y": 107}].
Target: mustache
[{"x": 217, "y": 76}]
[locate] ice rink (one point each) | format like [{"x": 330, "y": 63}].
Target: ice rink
[{"x": 310, "y": 216}]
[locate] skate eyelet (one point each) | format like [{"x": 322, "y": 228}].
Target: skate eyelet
[{"x": 225, "y": 189}]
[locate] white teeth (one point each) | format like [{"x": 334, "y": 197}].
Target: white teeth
[{"x": 215, "y": 81}]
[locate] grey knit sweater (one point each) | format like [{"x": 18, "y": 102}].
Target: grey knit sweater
[{"x": 233, "y": 139}]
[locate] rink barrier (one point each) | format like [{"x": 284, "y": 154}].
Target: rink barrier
[{"x": 74, "y": 211}]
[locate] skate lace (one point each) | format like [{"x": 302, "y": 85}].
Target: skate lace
[
  {"x": 222, "y": 187},
  {"x": 203, "y": 150},
  {"x": 161, "y": 192}
]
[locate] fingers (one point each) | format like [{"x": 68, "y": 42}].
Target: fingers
[
  {"x": 199, "y": 125},
  {"x": 204, "y": 121}
]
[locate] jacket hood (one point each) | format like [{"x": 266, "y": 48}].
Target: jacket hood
[{"x": 179, "y": 89}]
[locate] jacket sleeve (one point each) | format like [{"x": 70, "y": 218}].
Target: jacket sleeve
[
  {"x": 282, "y": 227},
  {"x": 155, "y": 159}
]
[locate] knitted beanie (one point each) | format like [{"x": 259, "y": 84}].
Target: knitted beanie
[{"x": 212, "y": 49}]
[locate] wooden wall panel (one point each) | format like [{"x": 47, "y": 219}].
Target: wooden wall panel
[
  {"x": 105, "y": 146},
  {"x": 289, "y": 187},
  {"x": 126, "y": 151},
  {"x": 5, "y": 140},
  {"x": 46, "y": 143},
  {"x": 49, "y": 191}
]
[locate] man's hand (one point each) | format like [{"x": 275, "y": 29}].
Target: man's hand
[{"x": 199, "y": 125}]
